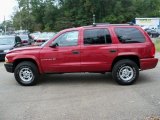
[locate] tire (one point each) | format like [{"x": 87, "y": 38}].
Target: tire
[
  {"x": 26, "y": 73},
  {"x": 125, "y": 72}
]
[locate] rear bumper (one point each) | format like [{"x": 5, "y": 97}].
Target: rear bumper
[
  {"x": 9, "y": 67},
  {"x": 148, "y": 63}
]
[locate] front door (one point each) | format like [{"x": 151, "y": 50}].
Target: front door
[{"x": 65, "y": 57}]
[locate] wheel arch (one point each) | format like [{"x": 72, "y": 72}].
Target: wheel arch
[
  {"x": 19, "y": 60},
  {"x": 134, "y": 58}
]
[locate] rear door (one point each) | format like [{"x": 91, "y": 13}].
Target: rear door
[{"x": 97, "y": 50}]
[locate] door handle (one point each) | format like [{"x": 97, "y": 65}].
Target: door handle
[{"x": 75, "y": 52}]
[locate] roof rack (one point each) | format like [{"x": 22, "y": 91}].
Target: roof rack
[{"x": 107, "y": 24}]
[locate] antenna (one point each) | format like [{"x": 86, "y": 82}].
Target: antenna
[{"x": 94, "y": 20}]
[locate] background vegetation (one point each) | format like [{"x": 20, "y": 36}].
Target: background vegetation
[
  {"x": 157, "y": 44},
  {"x": 54, "y": 15}
]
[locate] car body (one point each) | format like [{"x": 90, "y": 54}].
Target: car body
[
  {"x": 7, "y": 43},
  {"x": 43, "y": 37},
  {"x": 35, "y": 35},
  {"x": 120, "y": 49},
  {"x": 25, "y": 39},
  {"x": 152, "y": 33}
]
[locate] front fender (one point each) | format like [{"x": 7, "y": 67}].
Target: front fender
[{"x": 29, "y": 57}]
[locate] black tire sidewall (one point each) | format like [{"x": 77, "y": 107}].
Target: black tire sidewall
[
  {"x": 32, "y": 67},
  {"x": 117, "y": 68}
]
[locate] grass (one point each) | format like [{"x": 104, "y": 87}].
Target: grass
[{"x": 157, "y": 45}]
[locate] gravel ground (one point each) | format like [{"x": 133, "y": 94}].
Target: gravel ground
[{"x": 80, "y": 96}]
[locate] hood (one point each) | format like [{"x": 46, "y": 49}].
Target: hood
[
  {"x": 28, "y": 48},
  {"x": 6, "y": 47}
]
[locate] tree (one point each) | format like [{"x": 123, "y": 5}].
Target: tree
[{"x": 55, "y": 15}]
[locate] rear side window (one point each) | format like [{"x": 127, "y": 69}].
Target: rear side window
[
  {"x": 97, "y": 36},
  {"x": 129, "y": 35}
]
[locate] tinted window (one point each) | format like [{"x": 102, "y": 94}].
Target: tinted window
[
  {"x": 129, "y": 35},
  {"x": 97, "y": 36},
  {"x": 68, "y": 39}
]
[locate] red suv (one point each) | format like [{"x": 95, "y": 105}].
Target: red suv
[{"x": 123, "y": 50}]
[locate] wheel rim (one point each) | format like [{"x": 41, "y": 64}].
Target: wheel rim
[
  {"x": 26, "y": 74},
  {"x": 126, "y": 73}
]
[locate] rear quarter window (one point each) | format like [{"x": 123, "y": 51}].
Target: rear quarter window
[{"x": 129, "y": 35}]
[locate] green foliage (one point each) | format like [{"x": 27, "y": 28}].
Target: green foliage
[
  {"x": 157, "y": 44},
  {"x": 49, "y": 15}
]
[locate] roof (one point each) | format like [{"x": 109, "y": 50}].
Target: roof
[
  {"x": 107, "y": 24},
  {"x": 98, "y": 25}
]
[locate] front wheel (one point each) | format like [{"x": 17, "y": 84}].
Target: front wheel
[
  {"x": 26, "y": 73},
  {"x": 125, "y": 72}
]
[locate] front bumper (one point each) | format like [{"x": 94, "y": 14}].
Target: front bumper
[
  {"x": 148, "y": 63},
  {"x": 9, "y": 67}
]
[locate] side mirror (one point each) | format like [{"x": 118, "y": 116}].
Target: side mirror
[{"x": 54, "y": 45}]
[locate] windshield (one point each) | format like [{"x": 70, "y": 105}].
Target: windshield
[
  {"x": 7, "y": 41},
  {"x": 49, "y": 39}
]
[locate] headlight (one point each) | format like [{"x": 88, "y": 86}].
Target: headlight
[
  {"x": 6, "y": 60},
  {"x": 6, "y": 51}
]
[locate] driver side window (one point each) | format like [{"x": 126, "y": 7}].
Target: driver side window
[{"x": 67, "y": 39}]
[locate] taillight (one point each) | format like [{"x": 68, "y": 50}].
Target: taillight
[
  {"x": 39, "y": 41},
  {"x": 24, "y": 41},
  {"x": 153, "y": 50}
]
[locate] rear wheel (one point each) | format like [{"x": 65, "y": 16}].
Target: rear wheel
[
  {"x": 26, "y": 73},
  {"x": 125, "y": 72}
]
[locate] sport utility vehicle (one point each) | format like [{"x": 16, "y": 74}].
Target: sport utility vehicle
[{"x": 123, "y": 50}]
